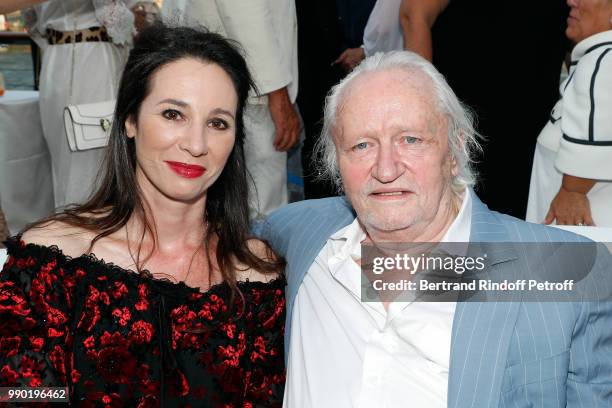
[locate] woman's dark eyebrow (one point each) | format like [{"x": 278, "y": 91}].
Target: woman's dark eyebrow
[
  {"x": 174, "y": 102},
  {"x": 222, "y": 112},
  {"x": 216, "y": 111}
]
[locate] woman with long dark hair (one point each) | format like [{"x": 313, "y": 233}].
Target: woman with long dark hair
[{"x": 152, "y": 292}]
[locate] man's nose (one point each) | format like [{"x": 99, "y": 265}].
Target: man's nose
[
  {"x": 195, "y": 140},
  {"x": 388, "y": 166}
]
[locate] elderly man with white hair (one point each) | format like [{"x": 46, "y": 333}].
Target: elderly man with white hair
[{"x": 399, "y": 144}]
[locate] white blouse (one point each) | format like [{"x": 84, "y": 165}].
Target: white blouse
[
  {"x": 580, "y": 126},
  {"x": 383, "y": 32},
  {"x": 69, "y": 15}
]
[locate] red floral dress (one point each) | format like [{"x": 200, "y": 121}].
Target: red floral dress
[{"x": 117, "y": 338}]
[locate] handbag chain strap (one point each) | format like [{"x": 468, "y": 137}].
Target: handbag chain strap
[{"x": 73, "y": 63}]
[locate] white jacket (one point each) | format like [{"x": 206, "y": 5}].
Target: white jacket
[
  {"x": 266, "y": 29},
  {"x": 580, "y": 126}
]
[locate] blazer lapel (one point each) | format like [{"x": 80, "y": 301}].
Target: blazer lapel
[
  {"x": 482, "y": 330},
  {"x": 311, "y": 240},
  {"x": 303, "y": 250}
]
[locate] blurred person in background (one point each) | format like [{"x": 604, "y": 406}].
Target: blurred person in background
[
  {"x": 503, "y": 61},
  {"x": 84, "y": 45},
  {"x": 152, "y": 293},
  {"x": 571, "y": 181},
  {"x": 382, "y": 33},
  {"x": 326, "y": 30}
]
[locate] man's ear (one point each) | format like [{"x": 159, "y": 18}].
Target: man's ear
[
  {"x": 454, "y": 163},
  {"x": 454, "y": 166},
  {"x": 130, "y": 127}
]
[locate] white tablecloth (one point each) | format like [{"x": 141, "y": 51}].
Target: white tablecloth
[{"x": 26, "y": 187}]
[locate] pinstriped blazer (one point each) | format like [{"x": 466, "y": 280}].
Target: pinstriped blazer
[{"x": 505, "y": 354}]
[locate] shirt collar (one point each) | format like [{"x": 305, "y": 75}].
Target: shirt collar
[
  {"x": 459, "y": 231},
  {"x": 349, "y": 238},
  {"x": 585, "y": 45}
]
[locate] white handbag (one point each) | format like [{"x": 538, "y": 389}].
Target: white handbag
[{"x": 88, "y": 125}]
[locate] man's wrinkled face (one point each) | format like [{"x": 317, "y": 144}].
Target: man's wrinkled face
[{"x": 393, "y": 152}]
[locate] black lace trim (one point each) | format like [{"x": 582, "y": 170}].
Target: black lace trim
[{"x": 43, "y": 253}]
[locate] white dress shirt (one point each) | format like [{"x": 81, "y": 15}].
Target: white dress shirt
[{"x": 348, "y": 353}]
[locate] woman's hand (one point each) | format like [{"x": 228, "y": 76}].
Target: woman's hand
[
  {"x": 571, "y": 205},
  {"x": 569, "y": 208}
]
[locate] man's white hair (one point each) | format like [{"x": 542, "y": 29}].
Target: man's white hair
[{"x": 462, "y": 136}]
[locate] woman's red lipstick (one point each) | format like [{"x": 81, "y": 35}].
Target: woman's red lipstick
[{"x": 186, "y": 170}]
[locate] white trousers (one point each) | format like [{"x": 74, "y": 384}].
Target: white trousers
[
  {"x": 97, "y": 66},
  {"x": 266, "y": 165}
]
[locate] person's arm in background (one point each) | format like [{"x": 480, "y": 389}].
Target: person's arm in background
[
  {"x": 146, "y": 13},
  {"x": 571, "y": 205},
  {"x": 382, "y": 33},
  {"x": 250, "y": 23},
  {"x": 417, "y": 17},
  {"x": 285, "y": 117},
  {"x": 8, "y": 6},
  {"x": 350, "y": 58}
]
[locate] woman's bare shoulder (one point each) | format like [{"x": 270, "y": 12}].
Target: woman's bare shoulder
[
  {"x": 263, "y": 251},
  {"x": 72, "y": 241}
]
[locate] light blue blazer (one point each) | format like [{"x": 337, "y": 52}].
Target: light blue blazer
[{"x": 504, "y": 354}]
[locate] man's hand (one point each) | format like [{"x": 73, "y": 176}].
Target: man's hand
[
  {"x": 286, "y": 119},
  {"x": 571, "y": 205},
  {"x": 350, "y": 58}
]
